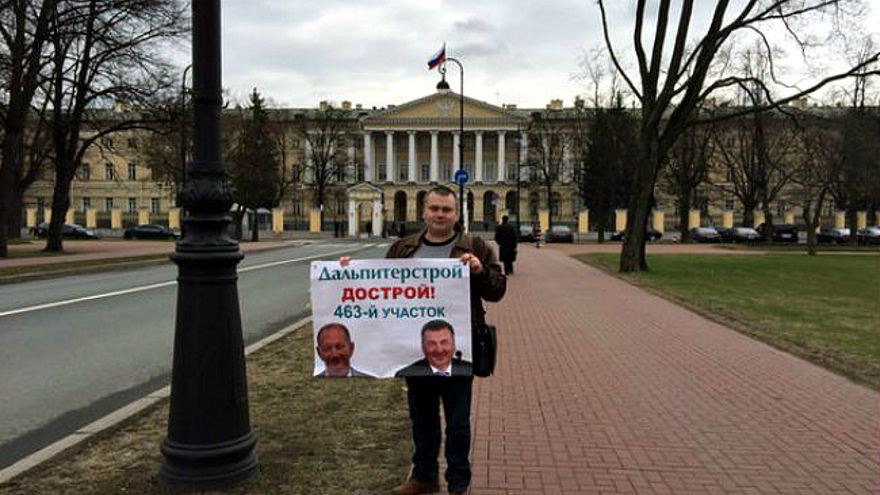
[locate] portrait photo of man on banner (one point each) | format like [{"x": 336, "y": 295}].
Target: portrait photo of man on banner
[{"x": 391, "y": 317}]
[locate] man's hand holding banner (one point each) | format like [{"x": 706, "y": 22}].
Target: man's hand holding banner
[{"x": 382, "y": 307}]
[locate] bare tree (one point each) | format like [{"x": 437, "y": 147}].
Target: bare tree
[
  {"x": 551, "y": 143},
  {"x": 24, "y": 27},
  {"x": 104, "y": 52},
  {"x": 676, "y": 75},
  {"x": 326, "y": 159},
  {"x": 688, "y": 169},
  {"x": 819, "y": 160}
]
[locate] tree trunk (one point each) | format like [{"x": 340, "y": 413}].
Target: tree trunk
[
  {"x": 60, "y": 205},
  {"x": 255, "y": 227},
  {"x": 15, "y": 211},
  {"x": 809, "y": 220},
  {"x": 684, "y": 210},
  {"x": 632, "y": 254},
  {"x": 11, "y": 163},
  {"x": 748, "y": 216}
]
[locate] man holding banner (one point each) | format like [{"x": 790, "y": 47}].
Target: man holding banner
[{"x": 442, "y": 237}]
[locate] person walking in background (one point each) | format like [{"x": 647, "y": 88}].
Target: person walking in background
[{"x": 505, "y": 236}]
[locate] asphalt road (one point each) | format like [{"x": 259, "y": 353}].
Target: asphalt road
[{"x": 73, "y": 349}]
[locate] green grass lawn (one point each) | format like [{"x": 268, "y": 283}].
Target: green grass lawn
[{"x": 823, "y": 308}]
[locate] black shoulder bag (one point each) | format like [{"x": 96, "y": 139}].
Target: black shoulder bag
[{"x": 485, "y": 346}]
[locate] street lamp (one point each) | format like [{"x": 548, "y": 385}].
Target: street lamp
[
  {"x": 442, "y": 70},
  {"x": 183, "y": 122},
  {"x": 209, "y": 442}
]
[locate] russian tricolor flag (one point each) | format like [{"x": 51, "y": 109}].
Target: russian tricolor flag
[{"x": 438, "y": 58}]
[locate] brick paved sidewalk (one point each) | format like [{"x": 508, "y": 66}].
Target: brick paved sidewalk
[{"x": 604, "y": 388}]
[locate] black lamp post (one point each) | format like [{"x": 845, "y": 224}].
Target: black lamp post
[
  {"x": 460, "y": 134},
  {"x": 209, "y": 442}
]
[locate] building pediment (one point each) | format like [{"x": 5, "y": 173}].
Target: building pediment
[{"x": 442, "y": 110}]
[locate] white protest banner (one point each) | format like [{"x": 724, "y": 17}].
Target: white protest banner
[{"x": 383, "y": 305}]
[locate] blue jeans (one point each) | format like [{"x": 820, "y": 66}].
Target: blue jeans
[{"x": 425, "y": 394}]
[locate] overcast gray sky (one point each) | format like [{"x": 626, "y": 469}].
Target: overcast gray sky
[{"x": 299, "y": 52}]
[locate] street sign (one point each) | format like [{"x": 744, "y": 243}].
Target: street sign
[{"x": 461, "y": 176}]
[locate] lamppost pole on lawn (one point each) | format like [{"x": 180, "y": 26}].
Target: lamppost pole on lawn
[{"x": 209, "y": 442}]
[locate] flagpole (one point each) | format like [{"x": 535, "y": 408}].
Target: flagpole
[{"x": 462, "y": 218}]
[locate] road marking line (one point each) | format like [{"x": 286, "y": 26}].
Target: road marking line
[
  {"x": 166, "y": 284},
  {"x": 122, "y": 414}
]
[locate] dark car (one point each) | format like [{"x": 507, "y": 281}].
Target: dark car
[
  {"x": 68, "y": 230},
  {"x": 560, "y": 233},
  {"x": 150, "y": 232},
  {"x": 869, "y": 236},
  {"x": 832, "y": 235},
  {"x": 650, "y": 235},
  {"x": 704, "y": 234},
  {"x": 782, "y": 232},
  {"x": 526, "y": 233}
]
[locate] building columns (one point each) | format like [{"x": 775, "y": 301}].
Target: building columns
[
  {"x": 435, "y": 158},
  {"x": 368, "y": 157},
  {"x": 389, "y": 156},
  {"x": 412, "y": 156},
  {"x": 478, "y": 159},
  {"x": 502, "y": 157}
]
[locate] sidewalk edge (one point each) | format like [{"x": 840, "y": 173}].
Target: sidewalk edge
[{"x": 123, "y": 413}]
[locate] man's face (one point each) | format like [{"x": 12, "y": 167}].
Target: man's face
[
  {"x": 439, "y": 214},
  {"x": 335, "y": 350},
  {"x": 438, "y": 346}
]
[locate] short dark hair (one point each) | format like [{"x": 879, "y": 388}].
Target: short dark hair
[
  {"x": 435, "y": 325},
  {"x": 505, "y": 218},
  {"x": 442, "y": 191},
  {"x": 333, "y": 325}
]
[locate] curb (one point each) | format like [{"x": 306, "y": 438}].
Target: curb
[{"x": 123, "y": 413}]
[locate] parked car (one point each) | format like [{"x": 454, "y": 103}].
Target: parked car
[
  {"x": 782, "y": 232},
  {"x": 148, "y": 231},
  {"x": 68, "y": 230},
  {"x": 869, "y": 236},
  {"x": 743, "y": 234},
  {"x": 560, "y": 233},
  {"x": 650, "y": 235},
  {"x": 832, "y": 235},
  {"x": 526, "y": 233},
  {"x": 726, "y": 234},
  {"x": 704, "y": 234}
]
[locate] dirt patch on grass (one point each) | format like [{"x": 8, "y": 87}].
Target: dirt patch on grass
[{"x": 315, "y": 436}]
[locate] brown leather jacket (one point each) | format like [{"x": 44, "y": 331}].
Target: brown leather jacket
[{"x": 490, "y": 284}]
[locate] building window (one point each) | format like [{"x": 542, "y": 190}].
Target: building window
[
  {"x": 108, "y": 204},
  {"x": 780, "y": 209},
  {"x": 132, "y": 204},
  {"x": 489, "y": 173},
  {"x": 107, "y": 142},
  {"x": 446, "y": 172},
  {"x": 382, "y": 173},
  {"x": 132, "y": 143},
  {"x": 86, "y": 203},
  {"x": 402, "y": 173},
  {"x": 154, "y": 205},
  {"x": 132, "y": 171},
  {"x": 84, "y": 171},
  {"x": 729, "y": 205},
  {"x": 109, "y": 171},
  {"x": 426, "y": 172}
]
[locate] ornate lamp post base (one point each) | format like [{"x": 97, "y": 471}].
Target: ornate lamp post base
[{"x": 206, "y": 467}]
